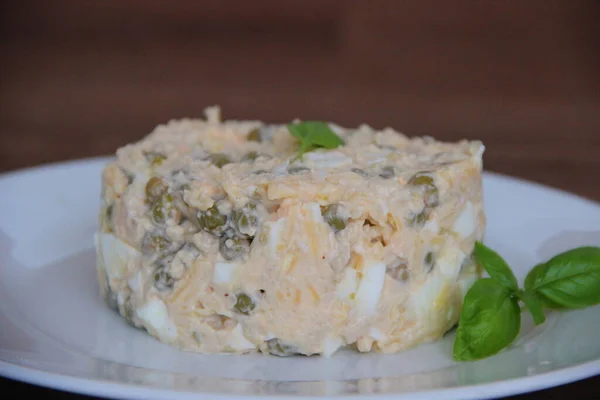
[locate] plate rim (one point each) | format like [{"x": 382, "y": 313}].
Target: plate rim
[{"x": 494, "y": 389}]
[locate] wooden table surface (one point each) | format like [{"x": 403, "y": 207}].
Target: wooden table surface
[{"x": 79, "y": 79}]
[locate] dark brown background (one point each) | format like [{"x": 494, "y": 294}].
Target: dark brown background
[{"x": 80, "y": 78}]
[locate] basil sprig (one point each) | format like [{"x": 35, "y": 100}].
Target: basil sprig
[
  {"x": 314, "y": 134},
  {"x": 490, "y": 319}
]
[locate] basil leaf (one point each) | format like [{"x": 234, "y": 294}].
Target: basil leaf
[
  {"x": 313, "y": 134},
  {"x": 490, "y": 320},
  {"x": 532, "y": 276},
  {"x": 495, "y": 266},
  {"x": 570, "y": 279},
  {"x": 534, "y": 305}
]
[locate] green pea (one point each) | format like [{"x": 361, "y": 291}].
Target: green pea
[
  {"x": 155, "y": 187},
  {"x": 212, "y": 220},
  {"x": 250, "y": 156},
  {"x": 387, "y": 172},
  {"x": 243, "y": 304},
  {"x": 360, "y": 172},
  {"x": 110, "y": 297},
  {"x": 419, "y": 179},
  {"x": 245, "y": 220},
  {"x": 332, "y": 215},
  {"x": 128, "y": 311},
  {"x": 129, "y": 176},
  {"x": 164, "y": 209},
  {"x": 254, "y": 135},
  {"x": 387, "y": 147},
  {"x": 419, "y": 220},
  {"x": 398, "y": 270},
  {"x": 277, "y": 348},
  {"x": 337, "y": 223},
  {"x": 429, "y": 261},
  {"x": 107, "y": 220},
  {"x": 155, "y": 158},
  {"x": 155, "y": 243},
  {"x": 297, "y": 170},
  {"x": 233, "y": 248},
  {"x": 109, "y": 212},
  {"x": 158, "y": 214},
  {"x": 162, "y": 279},
  {"x": 468, "y": 264},
  {"x": 432, "y": 198},
  {"x": 219, "y": 159}
]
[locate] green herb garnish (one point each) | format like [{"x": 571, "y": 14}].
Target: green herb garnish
[
  {"x": 490, "y": 319},
  {"x": 568, "y": 280},
  {"x": 314, "y": 134},
  {"x": 495, "y": 266}
]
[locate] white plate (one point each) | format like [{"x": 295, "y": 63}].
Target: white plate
[{"x": 56, "y": 331}]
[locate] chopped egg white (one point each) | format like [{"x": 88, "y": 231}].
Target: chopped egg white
[
  {"x": 115, "y": 254},
  {"x": 275, "y": 235},
  {"x": 238, "y": 341},
  {"x": 450, "y": 313},
  {"x": 373, "y": 155},
  {"x": 329, "y": 159},
  {"x": 370, "y": 286},
  {"x": 465, "y": 223},
  {"x": 331, "y": 345},
  {"x": 432, "y": 226},
  {"x": 281, "y": 170},
  {"x": 121, "y": 298},
  {"x": 155, "y": 314},
  {"x": 140, "y": 179},
  {"x": 466, "y": 282},
  {"x": 449, "y": 261},
  {"x": 223, "y": 272},
  {"x": 313, "y": 211},
  {"x": 383, "y": 206},
  {"x": 376, "y": 334},
  {"x": 477, "y": 157},
  {"x": 135, "y": 281},
  {"x": 348, "y": 285},
  {"x": 337, "y": 129},
  {"x": 425, "y": 299}
]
